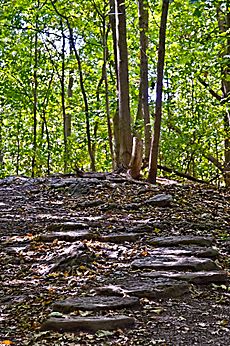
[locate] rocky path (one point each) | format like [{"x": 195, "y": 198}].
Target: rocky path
[{"x": 102, "y": 260}]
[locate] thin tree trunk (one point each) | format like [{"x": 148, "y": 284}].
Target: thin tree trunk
[
  {"x": 69, "y": 93},
  {"x": 89, "y": 142},
  {"x": 77, "y": 56},
  {"x": 44, "y": 106},
  {"x": 116, "y": 127},
  {"x": 123, "y": 85},
  {"x": 224, "y": 27},
  {"x": 35, "y": 98},
  {"x": 143, "y": 104},
  {"x": 159, "y": 90},
  {"x": 105, "y": 57},
  {"x": 65, "y": 132}
]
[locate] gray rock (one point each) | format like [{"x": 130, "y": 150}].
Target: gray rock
[
  {"x": 70, "y": 236},
  {"x": 95, "y": 303},
  {"x": 66, "y": 226},
  {"x": 63, "y": 183},
  {"x": 175, "y": 263},
  {"x": 198, "y": 251},
  {"x": 201, "y": 278},
  {"x": 93, "y": 324},
  {"x": 181, "y": 240},
  {"x": 157, "y": 289},
  {"x": 120, "y": 237},
  {"x": 84, "y": 186},
  {"x": 160, "y": 200}
]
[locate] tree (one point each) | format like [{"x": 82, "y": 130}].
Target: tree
[
  {"x": 159, "y": 89},
  {"x": 143, "y": 102},
  {"x": 123, "y": 85}
]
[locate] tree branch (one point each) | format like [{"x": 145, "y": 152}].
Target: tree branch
[
  {"x": 212, "y": 92},
  {"x": 183, "y": 175}
]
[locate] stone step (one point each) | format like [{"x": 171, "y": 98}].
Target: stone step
[
  {"x": 197, "y": 251},
  {"x": 69, "y": 236},
  {"x": 74, "y": 324},
  {"x": 95, "y": 303},
  {"x": 181, "y": 240},
  {"x": 157, "y": 288},
  {"x": 67, "y": 226},
  {"x": 201, "y": 278},
  {"x": 120, "y": 237},
  {"x": 178, "y": 263}
]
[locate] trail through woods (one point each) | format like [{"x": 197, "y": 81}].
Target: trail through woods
[{"x": 105, "y": 260}]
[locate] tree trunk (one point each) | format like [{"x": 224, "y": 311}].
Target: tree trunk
[
  {"x": 143, "y": 105},
  {"x": 159, "y": 90},
  {"x": 136, "y": 159},
  {"x": 224, "y": 27},
  {"x": 89, "y": 141},
  {"x": 69, "y": 93},
  {"x": 82, "y": 86},
  {"x": 35, "y": 98},
  {"x": 63, "y": 100},
  {"x": 105, "y": 57},
  {"x": 123, "y": 85},
  {"x": 116, "y": 129}
]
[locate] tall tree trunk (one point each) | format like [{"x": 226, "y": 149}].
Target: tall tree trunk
[
  {"x": 85, "y": 99},
  {"x": 116, "y": 127},
  {"x": 69, "y": 93},
  {"x": 82, "y": 86},
  {"x": 46, "y": 128},
  {"x": 35, "y": 97},
  {"x": 224, "y": 27},
  {"x": 143, "y": 105},
  {"x": 65, "y": 131},
  {"x": 123, "y": 85},
  {"x": 105, "y": 57},
  {"x": 152, "y": 175}
]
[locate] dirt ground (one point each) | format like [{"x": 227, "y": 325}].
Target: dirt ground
[{"x": 107, "y": 204}]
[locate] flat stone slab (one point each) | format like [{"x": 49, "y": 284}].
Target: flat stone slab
[
  {"x": 120, "y": 237},
  {"x": 161, "y": 200},
  {"x": 181, "y": 240},
  {"x": 70, "y": 236},
  {"x": 95, "y": 303},
  {"x": 67, "y": 226},
  {"x": 74, "y": 324},
  {"x": 198, "y": 251},
  {"x": 157, "y": 288},
  {"x": 175, "y": 263},
  {"x": 200, "y": 278}
]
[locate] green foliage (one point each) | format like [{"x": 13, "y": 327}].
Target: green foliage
[{"x": 193, "y": 121}]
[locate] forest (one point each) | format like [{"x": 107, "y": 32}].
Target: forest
[
  {"x": 114, "y": 172},
  {"x": 115, "y": 85}
]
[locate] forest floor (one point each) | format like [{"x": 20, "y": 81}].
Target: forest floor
[{"x": 66, "y": 237}]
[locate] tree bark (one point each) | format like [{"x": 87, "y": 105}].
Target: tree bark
[
  {"x": 107, "y": 105},
  {"x": 69, "y": 93},
  {"x": 123, "y": 85},
  {"x": 85, "y": 99},
  {"x": 64, "y": 116},
  {"x": 224, "y": 27},
  {"x": 35, "y": 98},
  {"x": 159, "y": 90},
  {"x": 136, "y": 159},
  {"x": 116, "y": 129},
  {"x": 143, "y": 104},
  {"x": 82, "y": 86}
]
